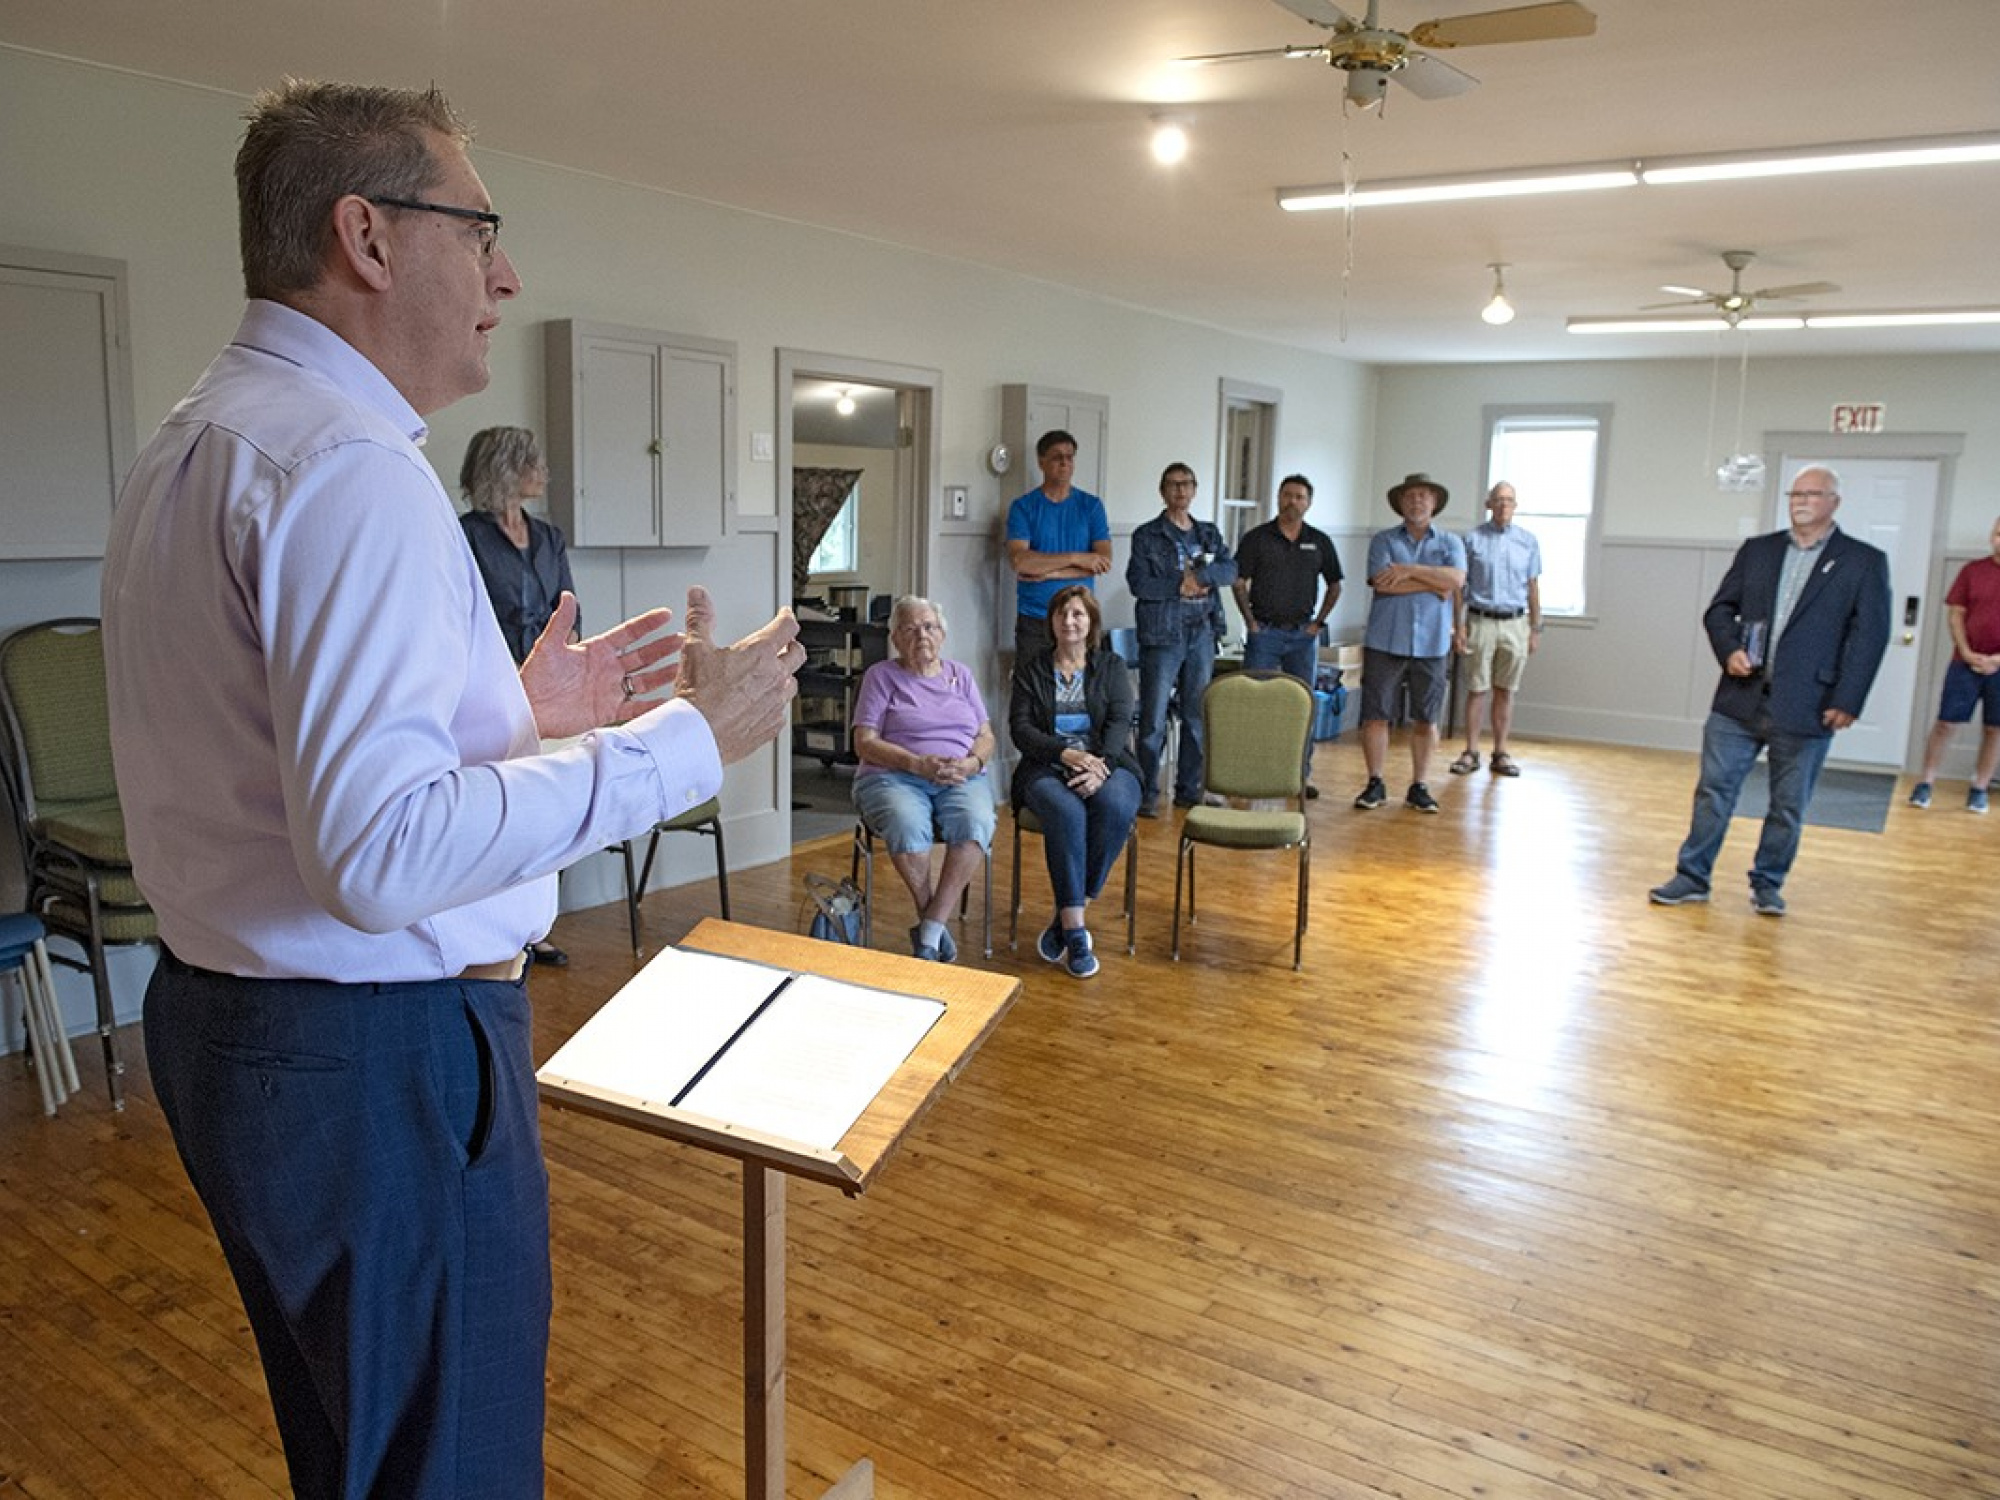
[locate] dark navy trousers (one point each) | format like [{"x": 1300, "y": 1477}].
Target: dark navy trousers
[{"x": 371, "y": 1159}]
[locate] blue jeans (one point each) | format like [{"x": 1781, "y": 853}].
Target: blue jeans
[
  {"x": 909, "y": 814},
  {"x": 1082, "y": 836},
  {"x": 1294, "y": 652},
  {"x": 1728, "y": 750},
  {"x": 1184, "y": 668}
]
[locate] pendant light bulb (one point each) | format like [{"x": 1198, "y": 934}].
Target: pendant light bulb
[
  {"x": 1170, "y": 140},
  {"x": 1499, "y": 310},
  {"x": 845, "y": 405}
]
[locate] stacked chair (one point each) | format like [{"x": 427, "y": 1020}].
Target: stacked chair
[
  {"x": 24, "y": 967},
  {"x": 57, "y": 766}
]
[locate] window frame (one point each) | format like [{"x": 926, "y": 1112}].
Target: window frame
[
  {"x": 1556, "y": 414},
  {"x": 846, "y": 520}
]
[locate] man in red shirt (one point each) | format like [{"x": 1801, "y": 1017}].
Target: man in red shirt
[{"x": 1972, "y": 614}]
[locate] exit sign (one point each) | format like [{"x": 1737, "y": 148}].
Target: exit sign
[{"x": 1857, "y": 416}]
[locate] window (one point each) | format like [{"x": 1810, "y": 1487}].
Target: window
[
  {"x": 837, "y": 549},
  {"x": 1554, "y": 459}
]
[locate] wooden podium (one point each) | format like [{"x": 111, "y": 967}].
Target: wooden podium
[{"x": 973, "y": 1004}]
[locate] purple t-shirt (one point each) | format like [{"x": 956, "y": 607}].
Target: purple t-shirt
[{"x": 937, "y": 715}]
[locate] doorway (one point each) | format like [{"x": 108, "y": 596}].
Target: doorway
[
  {"x": 1891, "y": 502},
  {"x": 840, "y": 416},
  {"x": 1246, "y": 447}
]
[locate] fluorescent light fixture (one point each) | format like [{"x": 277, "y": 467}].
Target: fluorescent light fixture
[
  {"x": 1460, "y": 189},
  {"x": 1853, "y": 156},
  {"x": 1682, "y": 325},
  {"x": 1935, "y": 317},
  {"x": 1499, "y": 310},
  {"x": 1938, "y": 317}
]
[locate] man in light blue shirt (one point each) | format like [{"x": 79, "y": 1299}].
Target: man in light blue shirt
[
  {"x": 1499, "y": 625},
  {"x": 336, "y": 803},
  {"x": 1414, "y": 569}
]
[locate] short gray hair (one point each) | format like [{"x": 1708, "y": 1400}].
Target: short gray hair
[
  {"x": 908, "y": 605},
  {"x": 309, "y": 145},
  {"x": 496, "y": 460}
]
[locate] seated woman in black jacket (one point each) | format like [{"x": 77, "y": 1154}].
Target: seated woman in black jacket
[{"x": 1071, "y": 718}]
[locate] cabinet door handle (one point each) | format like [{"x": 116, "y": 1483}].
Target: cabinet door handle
[{"x": 656, "y": 448}]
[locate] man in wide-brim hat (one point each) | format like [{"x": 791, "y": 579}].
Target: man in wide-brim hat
[{"x": 1414, "y": 570}]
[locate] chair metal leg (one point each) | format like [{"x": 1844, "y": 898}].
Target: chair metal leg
[
  {"x": 632, "y": 894},
  {"x": 1305, "y": 878},
  {"x": 861, "y": 863},
  {"x": 1181, "y": 856},
  {"x": 1014, "y": 897},
  {"x": 107, "y": 1012},
  {"x": 1132, "y": 892},
  {"x": 721, "y": 867},
  {"x": 988, "y": 908}
]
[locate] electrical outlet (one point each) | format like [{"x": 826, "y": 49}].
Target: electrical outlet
[{"x": 954, "y": 501}]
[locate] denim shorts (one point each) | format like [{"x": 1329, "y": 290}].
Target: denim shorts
[
  {"x": 1964, "y": 690},
  {"x": 909, "y": 814}
]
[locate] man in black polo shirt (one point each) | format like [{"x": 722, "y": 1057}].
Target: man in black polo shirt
[{"x": 1279, "y": 568}]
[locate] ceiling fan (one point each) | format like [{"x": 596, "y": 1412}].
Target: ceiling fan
[
  {"x": 1736, "y": 304},
  {"x": 1371, "y": 55}
]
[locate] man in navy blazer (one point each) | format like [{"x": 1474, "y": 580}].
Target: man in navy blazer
[{"x": 1799, "y": 624}]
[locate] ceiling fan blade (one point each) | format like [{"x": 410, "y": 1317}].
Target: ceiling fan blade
[
  {"x": 1259, "y": 55},
  {"x": 1786, "y": 293},
  {"x": 1523, "y": 23},
  {"x": 1689, "y": 291},
  {"x": 1432, "y": 78},
  {"x": 1321, "y": 13},
  {"x": 1692, "y": 298}
]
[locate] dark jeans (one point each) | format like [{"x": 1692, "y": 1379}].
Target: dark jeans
[
  {"x": 1183, "y": 668},
  {"x": 1728, "y": 750},
  {"x": 1082, "y": 836},
  {"x": 371, "y": 1159}
]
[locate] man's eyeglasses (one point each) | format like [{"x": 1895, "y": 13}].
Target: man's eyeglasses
[
  {"x": 1807, "y": 494},
  {"x": 488, "y": 222}
]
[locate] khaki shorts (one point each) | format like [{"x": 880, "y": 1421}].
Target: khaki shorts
[{"x": 1499, "y": 653}]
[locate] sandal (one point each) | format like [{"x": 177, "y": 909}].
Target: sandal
[
  {"x": 1469, "y": 762},
  {"x": 1503, "y": 764}
]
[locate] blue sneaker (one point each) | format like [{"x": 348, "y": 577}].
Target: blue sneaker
[
  {"x": 1975, "y": 799},
  {"x": 1080, "y": 961},
  {"x": 1682, "y": 890},
  {"x": 1766, "y": 902},
  {"x": 1050, "y": 944},
  {"x": 1920, "y": 794}
]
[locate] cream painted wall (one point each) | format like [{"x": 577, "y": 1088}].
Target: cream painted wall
[
  {"x": 1640, "y": 671},
  {"x": 139, "y": 169}
]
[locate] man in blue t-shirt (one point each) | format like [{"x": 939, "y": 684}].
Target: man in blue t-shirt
[{"x": 1056, "y": 535}]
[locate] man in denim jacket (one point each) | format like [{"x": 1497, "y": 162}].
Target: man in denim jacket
[{"x": 1178, "y": 569}]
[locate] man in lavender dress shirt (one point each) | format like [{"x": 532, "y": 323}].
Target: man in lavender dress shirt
[{"x": 336, "y": 804}]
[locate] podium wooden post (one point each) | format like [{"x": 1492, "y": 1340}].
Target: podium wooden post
[{"x": 974, "y": 1003}]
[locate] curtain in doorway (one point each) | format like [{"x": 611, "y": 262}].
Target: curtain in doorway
[{"x": 817, "y": 495}]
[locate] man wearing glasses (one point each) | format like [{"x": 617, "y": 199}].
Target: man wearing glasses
[
  {"x": 1178, "y": 570},
  {"x": 335, "y": 799},
  {"x": 1799, "y": 625}
]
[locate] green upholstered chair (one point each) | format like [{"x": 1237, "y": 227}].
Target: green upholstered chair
[
  {"x": 57, "y": 760},
  {"x": 705, "y": 819},
  {"x": 1254, "y": 752}
]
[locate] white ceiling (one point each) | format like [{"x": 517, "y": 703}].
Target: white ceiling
[{"x": 1012, "y": 133}]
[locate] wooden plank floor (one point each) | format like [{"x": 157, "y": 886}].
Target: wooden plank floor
[{"x": 1522, "y": 1189}]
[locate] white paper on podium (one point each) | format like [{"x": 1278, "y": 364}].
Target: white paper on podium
[{"x": 804, "y": 1070}]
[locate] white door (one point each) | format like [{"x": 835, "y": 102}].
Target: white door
[{"x": 1889, "y": 503}]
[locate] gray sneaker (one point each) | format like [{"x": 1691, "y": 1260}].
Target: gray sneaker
[
  {"x": 1766, "y": 902},
  {"x": 1050, "y": 944},
  {"x": 1682, "y": 890},
  {"x": 1079, "y": 960},
  {"x": 1372, "y": 795},
  {"x": 1975, "y": 799},
  {"x": 1920, "y": 794}
]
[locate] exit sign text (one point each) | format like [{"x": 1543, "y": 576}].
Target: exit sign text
[{"x": 1857, "y": 416}]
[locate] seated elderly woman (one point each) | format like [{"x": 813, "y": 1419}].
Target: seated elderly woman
[
  {"x": 1071, "y": 718},
  {"x": 923, "y": 739}
]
